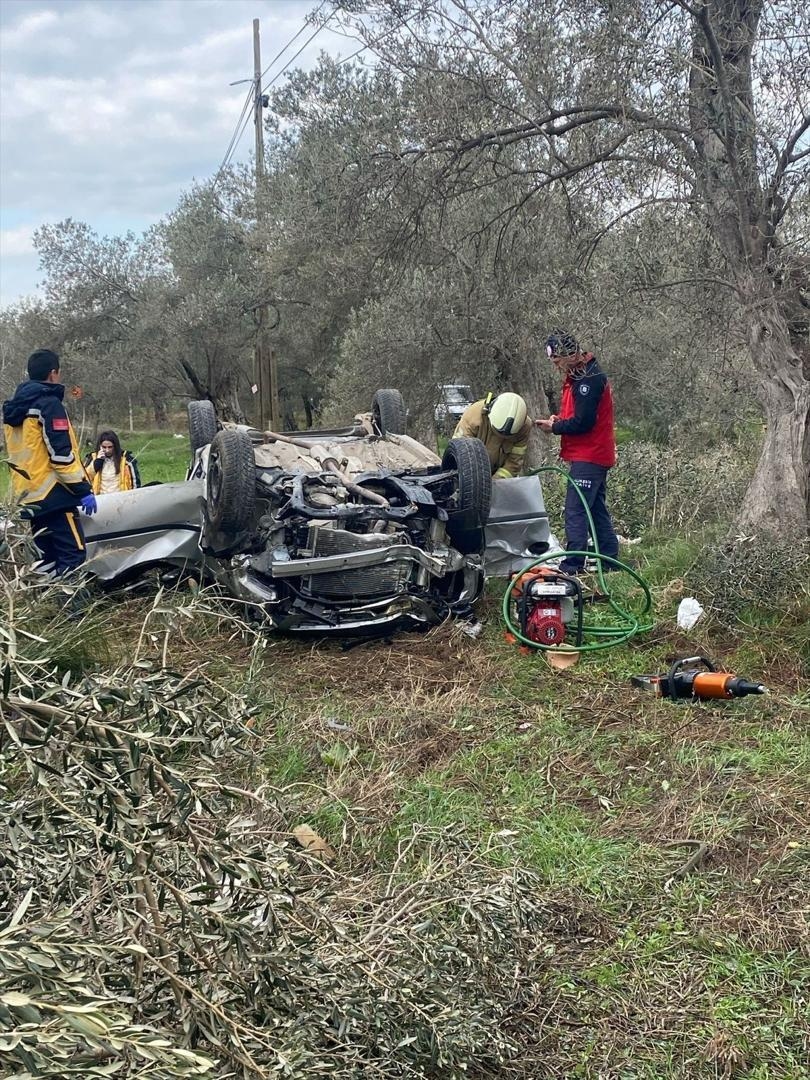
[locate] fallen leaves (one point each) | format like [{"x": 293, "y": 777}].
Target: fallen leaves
[{"x": 311, "y": 842}]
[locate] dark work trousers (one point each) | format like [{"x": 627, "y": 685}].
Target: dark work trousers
[
  {"x": 60, "y": 539},
  {"x": 592, "y": 482}
]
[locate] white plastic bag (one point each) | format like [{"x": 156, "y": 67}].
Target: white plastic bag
[{"x": 689, "y": 611}]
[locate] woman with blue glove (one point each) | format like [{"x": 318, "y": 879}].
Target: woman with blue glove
[{"x": 47, "y": 475}]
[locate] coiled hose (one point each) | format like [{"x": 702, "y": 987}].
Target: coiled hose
[{"x": 626, "y": 624}]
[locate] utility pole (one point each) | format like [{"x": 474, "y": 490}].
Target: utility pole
[{"x": 265, "y": 371}]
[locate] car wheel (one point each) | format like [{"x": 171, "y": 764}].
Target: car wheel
[
  {"x": 471, "y": 461},
  {"x": 202, "y": 424},
  {"x": 230, "y": 484},
  {"x": 388, "y": 412}
]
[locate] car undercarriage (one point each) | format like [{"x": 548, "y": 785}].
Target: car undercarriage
[{"x": 349, "y": 531}]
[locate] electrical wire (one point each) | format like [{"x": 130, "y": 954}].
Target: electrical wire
[
  {"x": 295, "y": 38},
  {"x": 293, "y": 58},
  {"x": 244, "y": 120},
  {"x": 234, "y": 138},
  {"x": 372, "y": 44},
  {"x": 351, "y": 56}
]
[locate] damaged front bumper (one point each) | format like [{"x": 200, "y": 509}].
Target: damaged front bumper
[{"x": 336, "y": 593}]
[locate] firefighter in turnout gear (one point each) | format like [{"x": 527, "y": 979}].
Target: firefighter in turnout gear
[
  {"x": 47, "y": 475},
  {"x": 587, "y": 443},
  {"x": 502, "y": 424}
]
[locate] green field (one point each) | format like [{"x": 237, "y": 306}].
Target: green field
[{"x": 161, "y": 456}]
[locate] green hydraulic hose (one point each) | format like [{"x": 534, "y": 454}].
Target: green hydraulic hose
[{"x": 628, "y": 624}]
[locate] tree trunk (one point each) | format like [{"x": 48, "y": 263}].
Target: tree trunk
[
  {"x": 777, "y": 501},
  {"x": 159, "y": 411},
  {"x": 526, "y": 379},
  {"x": 226, "y": 402}
]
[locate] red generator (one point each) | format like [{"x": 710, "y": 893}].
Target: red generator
[{"x": 548, "y": 602}]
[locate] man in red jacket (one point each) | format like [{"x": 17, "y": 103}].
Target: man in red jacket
[{"x": 587, "y": 443}]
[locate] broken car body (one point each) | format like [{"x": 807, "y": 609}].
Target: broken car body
[
  {"x": 331, "y": 531},
  {"x": 322, "y": 531}
]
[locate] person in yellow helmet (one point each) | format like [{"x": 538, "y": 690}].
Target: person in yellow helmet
[{"x": 502, "y": 424}]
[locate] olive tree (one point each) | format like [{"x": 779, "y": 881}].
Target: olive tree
[{"x": 704, "y": 103}]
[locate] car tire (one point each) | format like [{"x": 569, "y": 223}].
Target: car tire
[
  {"x": 388, "y": 412},
  {"x": 230, "y": 483},
  {"x": 471, "y": 461},
  {"x": 202, "y": 424}
]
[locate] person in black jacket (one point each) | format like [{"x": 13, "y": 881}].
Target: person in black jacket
[{"x": 47, "y": 474}]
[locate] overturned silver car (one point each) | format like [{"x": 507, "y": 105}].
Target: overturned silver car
[{"x": 342, "y": 531}]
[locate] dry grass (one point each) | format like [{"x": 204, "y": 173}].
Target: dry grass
[{"x": 436, "y": 754}]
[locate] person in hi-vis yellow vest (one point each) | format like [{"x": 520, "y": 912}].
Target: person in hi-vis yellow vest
[
  {"x": 111, "y": 468},
  {"x": 47, "y": 476}
]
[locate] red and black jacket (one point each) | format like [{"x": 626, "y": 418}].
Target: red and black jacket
[{"x": 585, "y": 419}]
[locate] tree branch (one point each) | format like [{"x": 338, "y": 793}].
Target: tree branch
[
  {"x": 774, "y": 212},
  {"x": 200, "y": 389}
]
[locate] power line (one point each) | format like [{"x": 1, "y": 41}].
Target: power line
[
  {"x": 292, "y": 59},
  {"x": 234, "y": 137},
  {"x": 244, "y": 116},
  {"x": 372, "y": 44},
  {"x": 239, "y": 136},
  {"x": 351, "y": 56},
  {"x": 295, "y": 38}
]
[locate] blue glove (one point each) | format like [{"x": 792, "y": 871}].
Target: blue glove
[{"x": 89, "y": 504}]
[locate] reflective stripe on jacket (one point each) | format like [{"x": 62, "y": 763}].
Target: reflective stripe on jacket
[
  {"x": 585, "y": 419},
  {"x": 506, "y": 452},
  {"x": 43, "y": 455},
  {"x": 128, "y": 475}
]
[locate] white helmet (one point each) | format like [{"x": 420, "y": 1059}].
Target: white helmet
[{"x": 507, "y": 413}]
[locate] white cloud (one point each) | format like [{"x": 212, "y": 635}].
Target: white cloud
[
  {"x": 108, "y": 111},
  {"x": 28, "y": 29},
  {"x": 17, "y": 241},
  {"x": 108, "y": 21}
]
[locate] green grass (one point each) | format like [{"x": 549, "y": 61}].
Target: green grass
[
  {"x": 162, "y": 456},
  {"x": 584, "y": 780}
]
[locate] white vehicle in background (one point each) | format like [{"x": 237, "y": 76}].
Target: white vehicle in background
[{"x": 453, "y": 400}]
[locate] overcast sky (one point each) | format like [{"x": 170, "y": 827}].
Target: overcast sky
[{"x": 110, "y": 108}]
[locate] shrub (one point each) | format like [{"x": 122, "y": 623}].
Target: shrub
[
  {"x": 753, "y": 575},
  {"x": 675, "y": 487}
]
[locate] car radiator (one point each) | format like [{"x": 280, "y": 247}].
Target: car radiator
[{"x": 365, "y": 582}]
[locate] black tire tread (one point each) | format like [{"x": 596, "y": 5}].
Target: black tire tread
[
  {"x": 389, "y": 412},
  {"x": 202, "y": 424},
  {"x": 232, "y": 510},
  {"x": 470, "y": 458}
]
